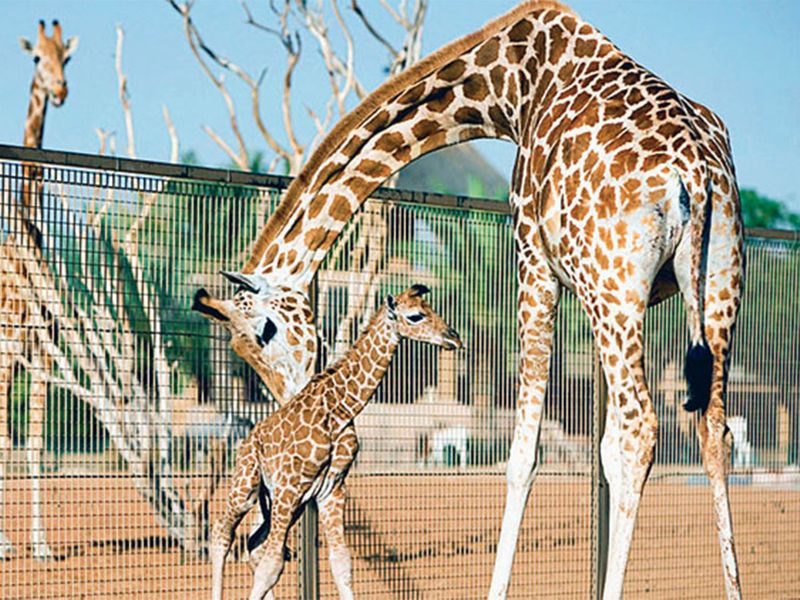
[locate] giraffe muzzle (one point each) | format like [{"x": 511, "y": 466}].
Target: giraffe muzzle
[
  {"x": 201, "y": 305},
  {"x": 451, "y": 339},
  {"x": 58, "y": 95}
]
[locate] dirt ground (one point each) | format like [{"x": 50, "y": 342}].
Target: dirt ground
[{"x": 415, "y": 536}]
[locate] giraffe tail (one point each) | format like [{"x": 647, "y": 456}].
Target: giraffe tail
[
  {"x": 698, "y": 370},
  {"x": 264, "y": 503},
  {"x": 699, "y": 364}
]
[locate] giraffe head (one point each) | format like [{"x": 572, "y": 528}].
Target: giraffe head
[
  {"x": 51, "y": 54},
  {"x": 416, "y": 319},
  {"x": 271, "y": 328}
]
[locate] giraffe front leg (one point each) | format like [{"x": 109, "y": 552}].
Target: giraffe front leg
[
  {"x": 539, "y": 293},
  {"x": 242, "y": 497},
  {"x": 331, "y": 512},
  {"x": 33, "y": 450}
]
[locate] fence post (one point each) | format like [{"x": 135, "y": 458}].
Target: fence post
[
  {"x": 600, "y": 498},
  {"x": 308, "y": 567},
  {"x": 309, "y": 553}
]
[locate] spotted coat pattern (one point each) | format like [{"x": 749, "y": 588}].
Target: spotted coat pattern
[
  {"x": 24, "y": 323},
  {"x": 305, "y": 449},
  {"x": 623, "y": 191}
]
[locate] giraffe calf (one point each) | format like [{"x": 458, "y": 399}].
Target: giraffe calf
[{"x": 305, "y": 449}]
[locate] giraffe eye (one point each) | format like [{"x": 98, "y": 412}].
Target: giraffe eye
[{"x": 415, "y": 318}]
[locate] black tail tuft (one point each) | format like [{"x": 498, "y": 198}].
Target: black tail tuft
[
  {"x": 260, "y": 534},
  {"x": 698, "y": 370}
]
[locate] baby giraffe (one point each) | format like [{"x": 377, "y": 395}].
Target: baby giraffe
[{"x": 302, "y": 451}]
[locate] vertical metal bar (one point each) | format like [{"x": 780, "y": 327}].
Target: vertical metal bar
[
  {"x": 600, "y": 499},
  {"x": 309, "y": 553},
  {"x": 308, "y": 568}
]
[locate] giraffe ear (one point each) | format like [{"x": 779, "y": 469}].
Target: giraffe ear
[
  {"x": 247, "y": 281},
  {"x": 71, "y": 46},
  {"x": 26, "y": 45},
  {"x": 419, "y": 290},
  {"x": 267, "y": 333},
  {"x": 391, "y": 304}
]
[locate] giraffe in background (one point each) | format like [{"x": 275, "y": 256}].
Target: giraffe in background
[
  {"x": 623, "y": 191},
  {"x": 299, "y": 452},
  {"x": 22, "y": 320}
]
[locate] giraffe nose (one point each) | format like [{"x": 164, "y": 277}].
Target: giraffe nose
[{"x": 60, "y": 92}]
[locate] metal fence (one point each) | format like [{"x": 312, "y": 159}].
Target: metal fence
[{"x": 135, "y": 404}]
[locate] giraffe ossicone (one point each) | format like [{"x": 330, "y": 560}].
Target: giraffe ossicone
[{"x": 306, "y": 448}]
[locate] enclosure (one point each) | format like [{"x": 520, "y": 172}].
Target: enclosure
[{"x": 144, "y": 402}]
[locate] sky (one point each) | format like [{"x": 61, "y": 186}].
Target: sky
[{"x": 738, "y": 57}]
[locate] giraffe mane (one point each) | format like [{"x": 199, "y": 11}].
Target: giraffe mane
[{"x": 389, "y": 89}]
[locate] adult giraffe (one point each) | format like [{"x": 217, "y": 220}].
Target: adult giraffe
[
  {"x": 623, "y": 191},
  {"x": 21, "y": 319}
]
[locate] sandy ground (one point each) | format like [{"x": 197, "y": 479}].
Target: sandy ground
[{"x": 415, "y": 536}]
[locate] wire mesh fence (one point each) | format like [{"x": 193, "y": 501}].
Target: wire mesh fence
[{"x": 122, "y": 409}]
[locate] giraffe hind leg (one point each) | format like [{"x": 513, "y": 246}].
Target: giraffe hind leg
[
  {"x": 33, "y": 450},
  {"x": 6, "y": 375},
  {"x": 271, "y": 555},
  {"x": 331, "y": 511},
  {"x": 255, "y": 543},
  {"x": 628, "y": 444},
  {"x": 723, "y": 288}
]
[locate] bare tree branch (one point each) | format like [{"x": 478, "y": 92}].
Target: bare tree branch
[
  {"x": 124, "y": 97},
  {"x": 107, "y": 139},
  {"x": 315, "y": 23},
  {"x": 412, "y": 45},
  {"x": 347, "y": 70},
  {"x": 357, "y": 9},
  {"x": 292, "y": 45},
  {"x": 225, "y": 148},
  {"x": 174, "y": 144},
  {"x": 194, "y": 39},
  {"x": 411, "y": 49},
  {"x": 320, "y": 124}
]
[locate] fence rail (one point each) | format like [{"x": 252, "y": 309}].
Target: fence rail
[{"x": 135, "y": 405}]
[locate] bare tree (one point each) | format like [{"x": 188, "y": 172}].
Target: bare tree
[{"x": 288, "y": 19}]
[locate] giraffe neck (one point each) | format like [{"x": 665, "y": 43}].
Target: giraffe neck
[
  {"x": 357, "y": 374},
  {"x": 490, "y": 84},
  {"x": 37, "y": 108},
  {"x": 30, "y": 193}
]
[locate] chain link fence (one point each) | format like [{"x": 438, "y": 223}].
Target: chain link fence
[{"x": 122, "y": 409}]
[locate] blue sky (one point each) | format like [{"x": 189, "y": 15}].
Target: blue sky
[{"x": 740, "y": 58}]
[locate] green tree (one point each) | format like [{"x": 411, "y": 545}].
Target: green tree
[{"x": 760, "y": 211}]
